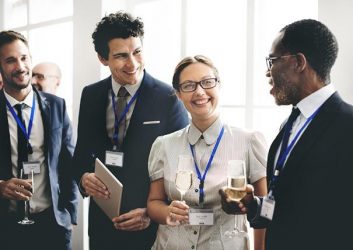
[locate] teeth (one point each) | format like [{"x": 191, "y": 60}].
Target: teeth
[{"x": 199, "y": 102}]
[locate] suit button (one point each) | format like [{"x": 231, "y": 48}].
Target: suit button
[
  {"x": 196, "y": 190},
  {"x": 192, "y": 247},
  {"x": 195, "y": 232}
]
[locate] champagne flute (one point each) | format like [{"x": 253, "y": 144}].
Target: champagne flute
[
  {"x": 183, "y": 178},
  {"x": 236, "y": 188},
  {"x": 26, "y": 220}
]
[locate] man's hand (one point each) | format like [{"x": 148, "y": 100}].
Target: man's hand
[
  {"x": 16, "y": 189},
  {"x": 232, "y": 207},
  {"x": 94, "y": 186},
  {"x": 135, "y": 220}
]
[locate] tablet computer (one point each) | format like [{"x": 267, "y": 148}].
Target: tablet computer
[{"x": 111, "y": 207}]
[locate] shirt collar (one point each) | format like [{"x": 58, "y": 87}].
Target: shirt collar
[
  {"x": 131, "y": 88},
  {"x": 311, "y": 103},
  {"x": 28, "y": 100},
  {"x": 210, "y": 135}
]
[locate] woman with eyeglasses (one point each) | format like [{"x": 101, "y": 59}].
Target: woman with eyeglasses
[{"x": 186, "y": 203}]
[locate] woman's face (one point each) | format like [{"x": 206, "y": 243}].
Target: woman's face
[{"x": 202, "y": 104}]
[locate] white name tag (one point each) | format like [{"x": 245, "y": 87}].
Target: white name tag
[
  {"x": 200, "y": 216},
  {"x": 114, "y": 158},
  {"x": 267, "y": 208},
  {"x": 31, "y": 165}
]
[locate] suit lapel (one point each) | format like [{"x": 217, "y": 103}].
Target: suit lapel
[
  {"x": 46, "y": 116},
  {"x": 145, "y": 97},
  {"x": 5, "y": 145},
  {"x": 310, "y": 136},
  {"x": 315, "y": 129}
]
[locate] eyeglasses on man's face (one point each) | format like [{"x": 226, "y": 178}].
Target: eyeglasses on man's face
[
  {"x": 271, "y": 59},
  {"x": 190, "y": 86},
  {"x": 41, "y": 77}
]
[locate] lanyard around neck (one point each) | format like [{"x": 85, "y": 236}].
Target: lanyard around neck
[
  {"x": 282, "y": 158},
  {"x": 122, "y": 115},
  {"x": 22, "y": 126},
  {"x": 199, "y": 175}
]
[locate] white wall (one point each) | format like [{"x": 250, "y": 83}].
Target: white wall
[{"x": 337, "y": 15}]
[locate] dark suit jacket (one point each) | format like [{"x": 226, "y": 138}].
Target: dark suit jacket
[
  {"x": 58, "y": 149},
  {"x": 156, "y": 102},
  {"x": 314, "y": 190}
]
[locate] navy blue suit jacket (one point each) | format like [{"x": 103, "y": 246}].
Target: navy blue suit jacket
[
  {"x": 314, "y": 188},
  {"x": 58, "y": 149},
  {"x": 156, "y": 102}
]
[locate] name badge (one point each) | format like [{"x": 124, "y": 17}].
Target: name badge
[
  {"x": 201, "y": 216},
  {"x": 31, "y": 165},
  {"x": 114, "y": 158},
  {"x": 267, "y": 208}
]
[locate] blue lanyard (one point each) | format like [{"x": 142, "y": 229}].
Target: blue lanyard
[
  {"x": 282, "y": 157},
  {"x": 203, "y": 177},
  {"x": 123, "y": 114},
  {"x": 27, "y": 134}
]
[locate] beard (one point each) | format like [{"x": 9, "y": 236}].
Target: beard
[
  {"x": 11, "y": 83},
  {"x": 285, "y": 92}
]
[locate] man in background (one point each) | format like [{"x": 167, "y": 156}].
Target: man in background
[
  {"x": 36, "y": 134},
  {"x": 119, "y": 118},
  {"x": 46, "y": 77}
]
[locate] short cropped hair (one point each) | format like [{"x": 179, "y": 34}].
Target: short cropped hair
[
  {"x": 190, "y": 60},
  {"x": 115, "y": 25},
  {"x": 9, "y": 36},
  {"x": 315, "y": 41}
]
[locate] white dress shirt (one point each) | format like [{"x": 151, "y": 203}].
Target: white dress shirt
[
  {"x": 41, "y": 198},
  {"x": 132, "y": 89},
  {"x": 307, "y": 108}
]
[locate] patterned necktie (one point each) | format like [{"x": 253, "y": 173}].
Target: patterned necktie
[
  {"x": 22, "y": 144},
  {"x": 287, "y": 129},
  {"x": 121, "y": 105}
]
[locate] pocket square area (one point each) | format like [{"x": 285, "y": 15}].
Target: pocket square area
[{"x": 151, "y": 122}]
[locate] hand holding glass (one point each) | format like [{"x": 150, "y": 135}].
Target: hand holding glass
[
  {"x": 236, "y": 188},
  {"x": 27, "y": 177}
]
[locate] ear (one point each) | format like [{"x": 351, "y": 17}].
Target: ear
[
  {"x": 102, "y": 60},
  {"x": 301, "y": 62},
  {"x": 177, "y": 92}
]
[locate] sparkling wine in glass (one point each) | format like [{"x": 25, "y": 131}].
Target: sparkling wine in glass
[
  {"x": 236, "y": 188},
  {"x": 183, "y": 179},
  {"x": 27, "y": 177}
]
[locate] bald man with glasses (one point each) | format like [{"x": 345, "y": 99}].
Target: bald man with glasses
[{"x": 46, "y": 77}]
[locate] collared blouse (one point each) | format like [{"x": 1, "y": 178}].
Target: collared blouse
[{"x": 236, "y": 144}]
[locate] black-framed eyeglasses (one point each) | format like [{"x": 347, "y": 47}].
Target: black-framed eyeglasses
[
  {"x": 41, "y": 77},
  {"x": 190, "y": 86},
  {"x": 270, "y": 60}
]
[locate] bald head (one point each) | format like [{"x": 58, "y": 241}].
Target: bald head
[{"x": 46, "y": 77}]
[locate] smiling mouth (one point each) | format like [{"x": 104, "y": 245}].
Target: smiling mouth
[{"x": 201, "y": 101}]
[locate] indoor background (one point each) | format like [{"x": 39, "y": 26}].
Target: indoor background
[{"x": 236, "y": 35}]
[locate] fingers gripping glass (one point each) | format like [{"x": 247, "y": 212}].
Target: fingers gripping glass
[
  {"x": 27, "y": 177},
  {"x": 271, "y": 59},
  {"x": 190, "y": 86}
]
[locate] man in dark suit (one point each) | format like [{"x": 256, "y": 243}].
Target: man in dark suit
[
  {"x": 121, "y": 135},
  {"x": 310, "y": 162},
  {"x": 36, "y": 135}
]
